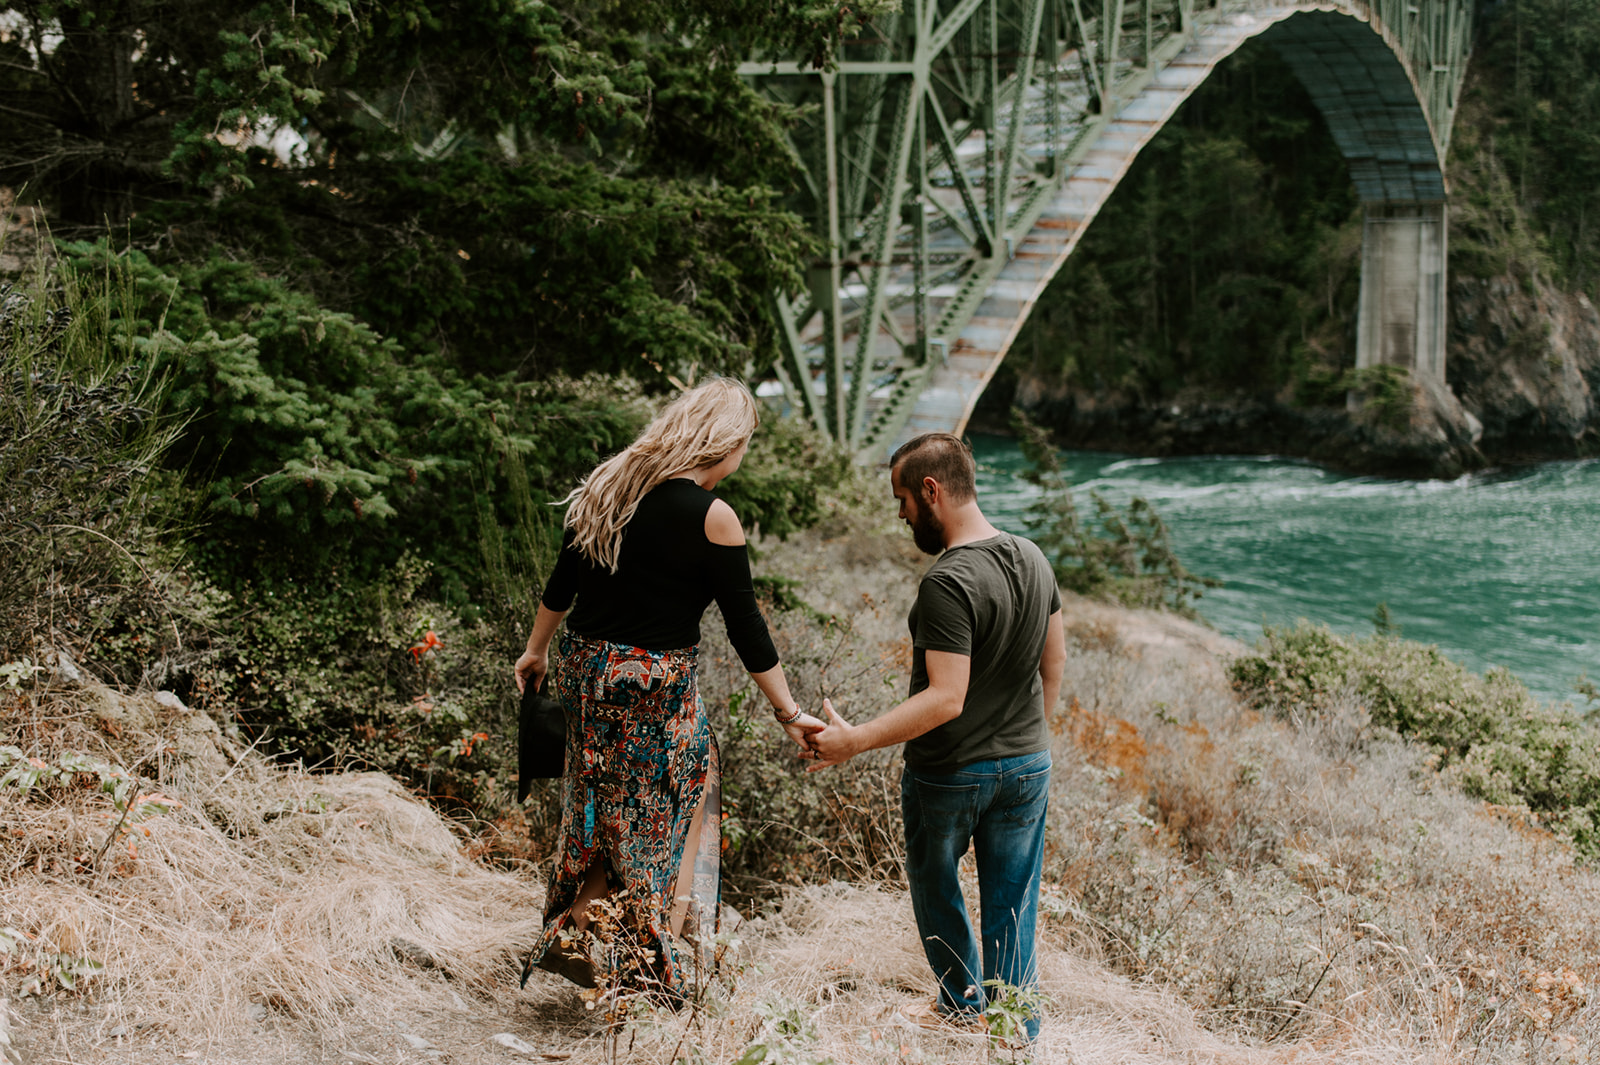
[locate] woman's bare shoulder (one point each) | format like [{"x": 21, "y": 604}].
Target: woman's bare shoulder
[{"x": 722, "y": 525}]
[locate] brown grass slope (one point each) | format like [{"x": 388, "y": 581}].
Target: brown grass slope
[{"x": 1219, "y": 887}]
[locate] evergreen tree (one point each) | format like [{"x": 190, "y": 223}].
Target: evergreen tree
[
  {"x": 373, "y": 237},
  {"x": 520, "y": 185}
]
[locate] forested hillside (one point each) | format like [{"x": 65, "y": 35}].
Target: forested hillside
[
  {"x": 383, "y": 279},
  {"x": 1227, "y": 258}
]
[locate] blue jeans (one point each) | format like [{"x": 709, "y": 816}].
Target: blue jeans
[{"x": 998, "y": 806}]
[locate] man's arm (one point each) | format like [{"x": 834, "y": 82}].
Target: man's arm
[
  {"x": 931, "y": 707},
  {"x": 1053, "y": 662}
]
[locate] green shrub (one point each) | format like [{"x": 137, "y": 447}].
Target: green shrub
[
  {"x": 780, "y": 486},
  {"x": 82, "y": 500},
  {"x": 1490, "y": 737},
  {"x": 372, "y": 675},
  {"x": 1385, "y": 391},
  {"x": 1128, "y": 559},
  {"x": 338, "y": 667},
  {"x": 349, "y": 501},
  {"x": 312, "y": 438}
]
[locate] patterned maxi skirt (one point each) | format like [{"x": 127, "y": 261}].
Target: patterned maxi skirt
[{"x": 641, "y": 763}]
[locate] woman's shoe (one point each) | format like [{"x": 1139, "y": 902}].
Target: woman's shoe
[{"x": 576, "y": 966}]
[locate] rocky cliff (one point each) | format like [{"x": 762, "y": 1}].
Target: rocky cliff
[
  {"x": 1523, "y": 369},
  {"x": 1524, "y": 358}
]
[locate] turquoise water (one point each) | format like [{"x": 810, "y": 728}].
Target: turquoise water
[{"x": 1497, "y": 569}]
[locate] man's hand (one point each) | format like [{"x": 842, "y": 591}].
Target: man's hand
[
  {"x": 834, "y": 744},
  {"x": 801, "y": 729}
]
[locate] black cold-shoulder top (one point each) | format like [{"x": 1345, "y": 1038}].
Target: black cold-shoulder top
[{"x": 667, "y": 574}]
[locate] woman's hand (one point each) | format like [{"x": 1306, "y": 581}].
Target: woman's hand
[
  {"x": 535, "y": 661},
  {"x": 801, "y": 729},
  {"x": 532, "y": 666}
]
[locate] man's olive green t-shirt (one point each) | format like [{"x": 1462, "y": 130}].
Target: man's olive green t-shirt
[{"x": 990, "y": 600}]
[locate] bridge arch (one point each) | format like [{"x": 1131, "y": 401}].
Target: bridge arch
[{"x": 958, "y": 155}]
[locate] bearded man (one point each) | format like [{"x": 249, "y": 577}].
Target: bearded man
[{"x": 987, "y": 657}]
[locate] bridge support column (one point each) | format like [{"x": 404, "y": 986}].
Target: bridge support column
[{"x": 1402, "y": 320}]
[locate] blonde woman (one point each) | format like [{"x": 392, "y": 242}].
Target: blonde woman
[{"x": 647, "y": 548}]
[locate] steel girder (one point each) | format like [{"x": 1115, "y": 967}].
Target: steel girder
[{"x": 935, "y": 142}]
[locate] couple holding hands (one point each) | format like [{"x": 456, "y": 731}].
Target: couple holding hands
[{"x": 647, "y": 547}]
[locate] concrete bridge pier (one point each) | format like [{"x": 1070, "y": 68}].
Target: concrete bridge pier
[{"x": 1401, "y": 320}]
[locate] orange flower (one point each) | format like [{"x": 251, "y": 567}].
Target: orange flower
[{"x": 430, "y": 642}]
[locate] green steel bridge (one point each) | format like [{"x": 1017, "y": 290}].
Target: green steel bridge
[{"x": 958, "y": 149}]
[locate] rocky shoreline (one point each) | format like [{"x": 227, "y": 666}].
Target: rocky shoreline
[{"x": 1523, "y": 385}]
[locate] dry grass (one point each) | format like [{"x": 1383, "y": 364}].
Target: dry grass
[
  {"x": 846, "y": 959},
  {"x": 1306, "y": 883},
  {"x": 268, "y": 890},
  {"x": 21, "y": 230}
]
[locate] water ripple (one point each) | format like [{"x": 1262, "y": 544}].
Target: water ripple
[{"x": 1500, "y": 567}]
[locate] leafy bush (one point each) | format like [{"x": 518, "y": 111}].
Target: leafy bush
[
  {"x": 1385, "y": 391},
  {"x": 1489, "y": 736},
  {"x": 313, "y": 438},
  {"x": 339, "y": 665},
  {"x": 345, "y": 503},
  {"x": 782, "y": 482},
  {"x": 1128, "y": 560},
  {"x": 1382, "y": 389}
]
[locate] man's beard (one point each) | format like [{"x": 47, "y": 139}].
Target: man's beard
[{"x": 927, "y": 532}]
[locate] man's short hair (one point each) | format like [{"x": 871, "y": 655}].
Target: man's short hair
[{"x": 941, "y": 456}]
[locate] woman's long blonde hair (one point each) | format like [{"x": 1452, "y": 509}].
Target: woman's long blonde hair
[{"x": 700, "y": 428}]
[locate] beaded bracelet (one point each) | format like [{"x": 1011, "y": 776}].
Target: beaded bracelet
[{"x": 794, "y": 715}]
